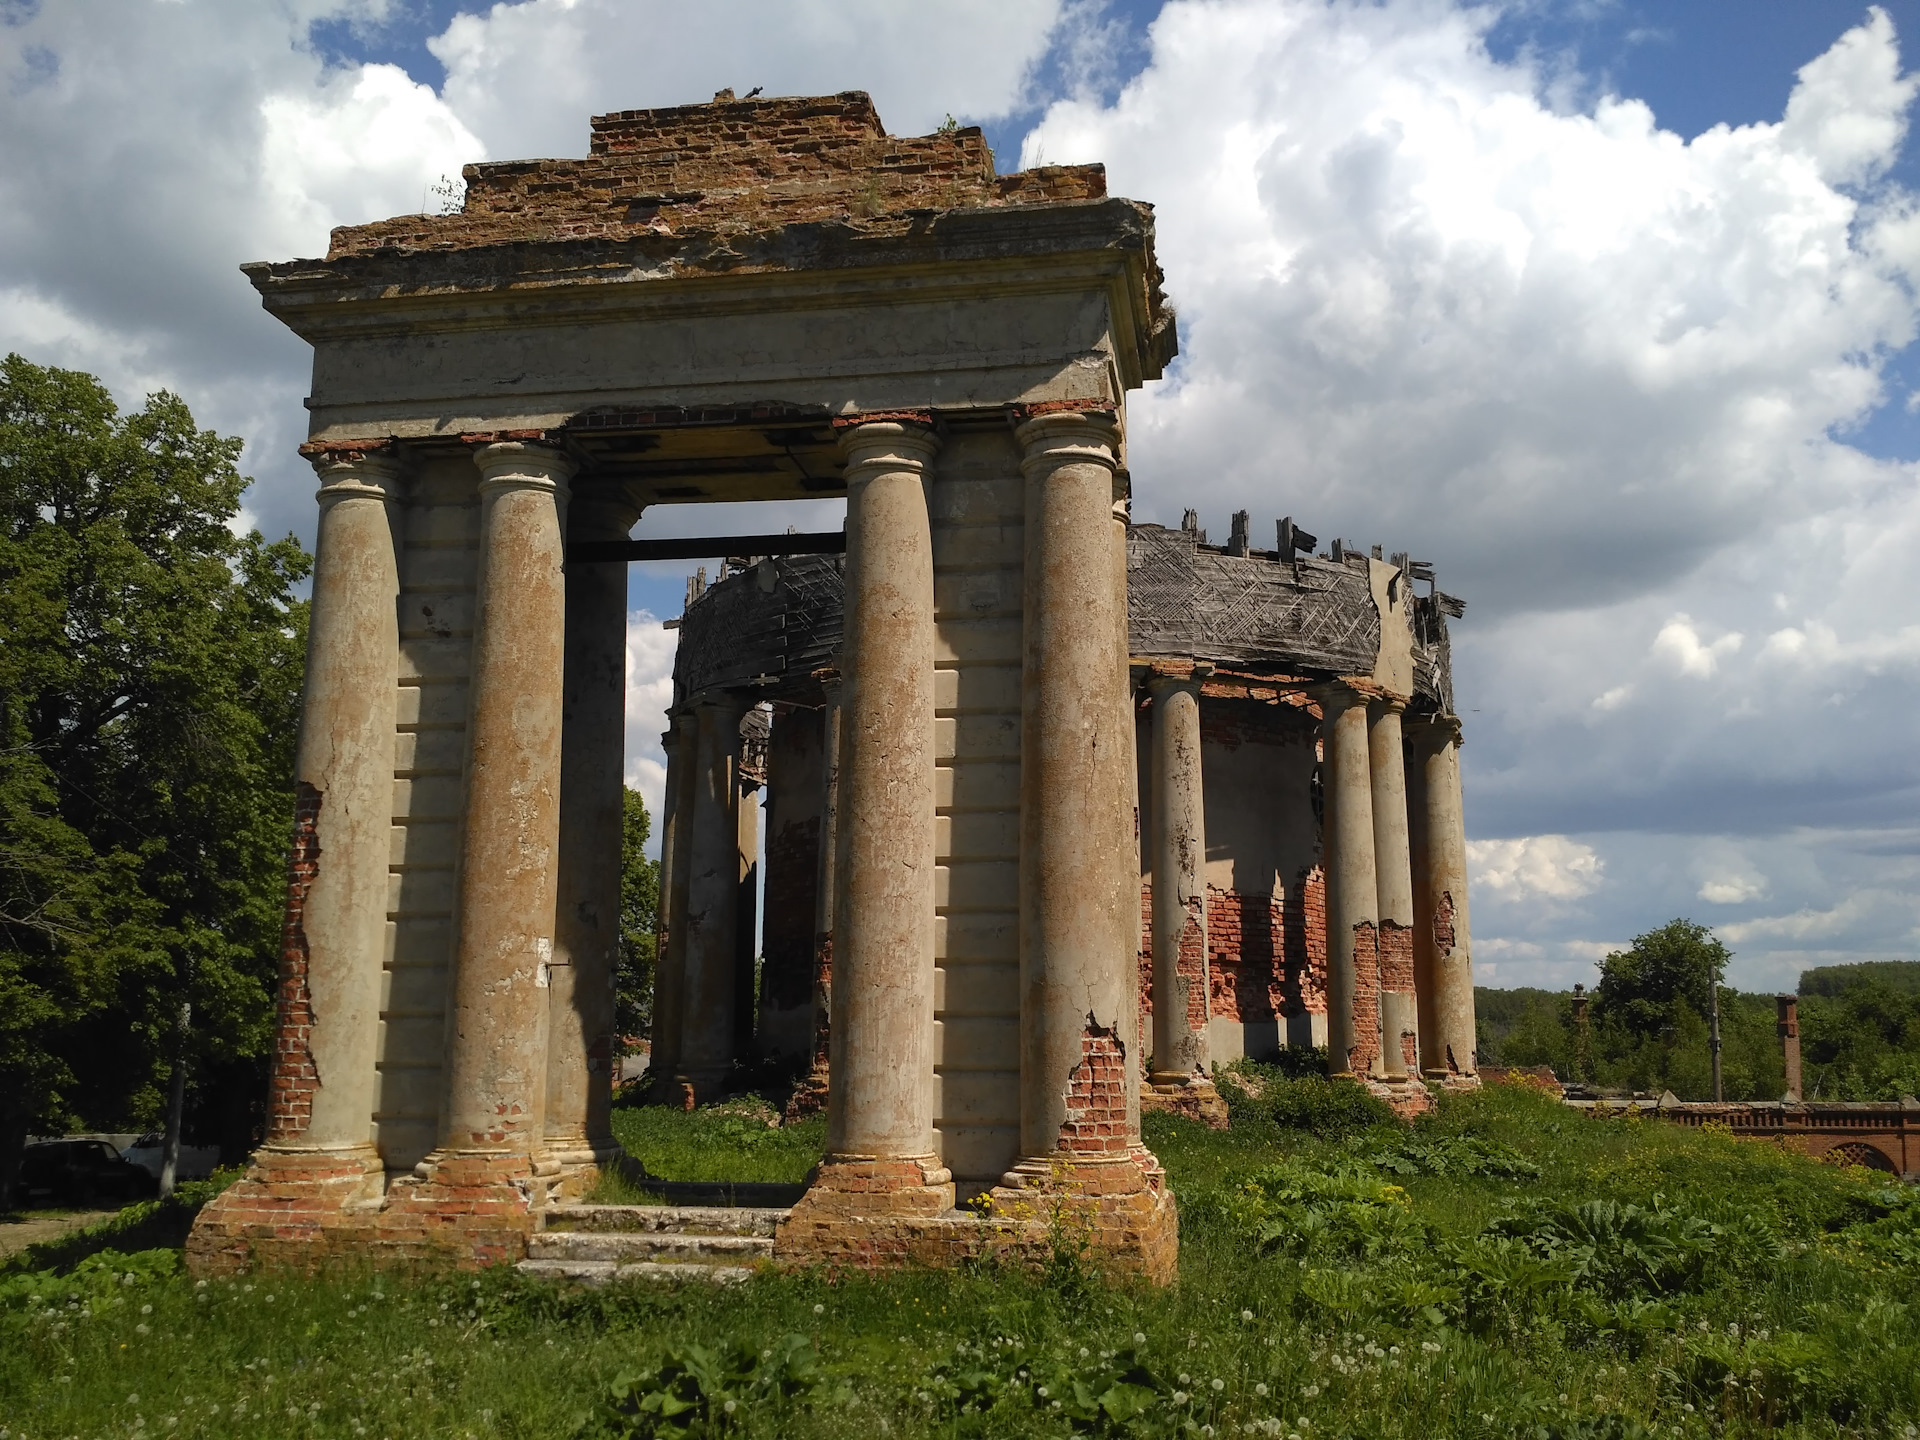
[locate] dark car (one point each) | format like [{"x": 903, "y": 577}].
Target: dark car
[{"x": 73, "y": 1172}]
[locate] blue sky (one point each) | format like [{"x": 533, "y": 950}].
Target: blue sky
[{"x": 1605, "y": 307}]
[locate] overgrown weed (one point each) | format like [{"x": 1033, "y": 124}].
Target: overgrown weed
[{"x": 1387, "y": 1283}]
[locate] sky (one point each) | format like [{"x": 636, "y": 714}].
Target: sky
[{"x": 1606, "y": 308}]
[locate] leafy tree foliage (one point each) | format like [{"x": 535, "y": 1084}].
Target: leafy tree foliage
[
  {"x": 1643, "y": 988},
  {"x": 639, "y": 906},
  {"x": 1860, "y": 1031},
  {"x": 150, "y": 667}
]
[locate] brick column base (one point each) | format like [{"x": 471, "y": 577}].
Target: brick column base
[
  {"x": 1408, "y": 1097},
  {"x": 294, "y": 1207},
  {"x": 1197, "y": 1099},
  {"x": 1117, "y": 1206},
  {"x": 466, "y": 1211}
]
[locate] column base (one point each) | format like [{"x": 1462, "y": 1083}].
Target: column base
[
  {"x": 581, "y": 1163},
  {"x": 1452, "y": 1082},
  {"x": 294, "y": 1207},
  {"x": 1406, "y": 1096},
  {"x": 1193, "y": 1096},
  {"x": 1115, "y": 1209},
  {"x": 672, "y": 1091}
]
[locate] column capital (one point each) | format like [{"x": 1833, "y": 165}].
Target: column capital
[
  {"x": 1433, "y": 730},
  {"x": 523, "y": 465},
  {"x": 1163, "y": 682},
  {"x": 887, "y": 443},
  {"x": 600, "y": 516},
  {"x": 1337, "y": 696},
  {"x": 355, "y": 475},
  {"x": 1069, "y": 437},
  {"x": 1387, "y": 703}
]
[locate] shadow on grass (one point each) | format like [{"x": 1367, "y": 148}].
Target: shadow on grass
[{"x": 146, "y": 1225}]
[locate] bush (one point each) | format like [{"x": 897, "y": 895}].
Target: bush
[{"x": 1327, "y": 1108}]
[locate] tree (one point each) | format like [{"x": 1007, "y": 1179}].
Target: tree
[
  {"x": 150, "y": 666},
  {"x": 639, "y": 906},
  {"x": 1676, "y": 965}
]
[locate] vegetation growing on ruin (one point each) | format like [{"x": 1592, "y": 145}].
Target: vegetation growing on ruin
[{"x": 1505, "y": 1268}]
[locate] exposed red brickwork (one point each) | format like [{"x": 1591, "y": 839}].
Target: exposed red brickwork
[
  {"x": 793, "y": 866},
  {"x": 1443, "y": 936},
  {"x": 727, "y": 168},
  {"x": 1096, "y": 1122},
  {"x": 1410, "y": 1052},
  {"x": 295, "y": 1079},
  {"x": 1266, "y": 955},
  {"x": 1396, "y": 956},
  {"x": 1366, "y": 1000}
]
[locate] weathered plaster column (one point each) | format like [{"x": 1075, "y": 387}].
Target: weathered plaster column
[
  {"x": 810, "y": 1095},
  {"x": 324, "y": 1079},
  {"x": 670, "y": 963},
  {"x": 493, "y": 1117},
  {"x": 712, "y": 899},
  {"x": 1080, "y": 1096},
  {"x": 1353, "y": 900},
  {"x": 1180, "y": 987},
  {"x": 586, "y": 942},
  {"x": 1393, "y": 877},
  {"x": 1442, "y": 953},
  {"x": 319, "y": 1155},
  {"x": 881, "y": 1158}
]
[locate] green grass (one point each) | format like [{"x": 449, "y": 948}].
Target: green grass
[
  {"x": 1367, "y": 1283},
  {"x": 738, "y": 1140}
]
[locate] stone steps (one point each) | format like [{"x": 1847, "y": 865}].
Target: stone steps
[
  {"x": 599, "y": 1244},
  {"x": 605, "y": 1272}
]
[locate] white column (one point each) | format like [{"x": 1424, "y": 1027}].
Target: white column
[
  {"x": 323, "y": 1087},
  {"x": 1180, "y": 993},
  {"x": 1443, "y": 952},
  {"x": 1353, "y": 901},
  {"x": 1080, "y": 1089},
  {"x": 881, "y": 1104},
  {"x": 497, "y": 1031},
  {"x": 1393, "y": 875}
]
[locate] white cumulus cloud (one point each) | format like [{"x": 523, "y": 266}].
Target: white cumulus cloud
[{"x": 1548, "y": 866}]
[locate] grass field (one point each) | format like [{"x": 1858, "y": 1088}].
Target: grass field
[{"x": 1505, "y": 1269}]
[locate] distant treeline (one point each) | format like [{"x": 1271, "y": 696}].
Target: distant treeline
[{"x": 1859, "y": 1037}]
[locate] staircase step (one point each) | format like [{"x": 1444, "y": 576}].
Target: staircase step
[
  {"x": 623, "y": 1245},
  {"x": 602, "y": 1272},
  {"x": 723, "y": 1192},
  {"x": 679, "y": 1219}
]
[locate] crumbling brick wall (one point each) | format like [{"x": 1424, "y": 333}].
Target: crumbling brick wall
[
  {"x": 1267, "y": 954},
  {"x": 295, "y": 1077},
  {"x": 1096, "y": 1122},
  {"x": 729, "y": 167}
]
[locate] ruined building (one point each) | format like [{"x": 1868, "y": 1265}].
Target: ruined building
[
  {"x": 1295, "y": 749},
  {"x": 750, "y": 300}
]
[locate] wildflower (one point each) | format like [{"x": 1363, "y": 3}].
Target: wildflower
[
  {"x": 1432, "y": 1347},
  {"x": 1260, "y": 1389},
  {"x": 1246, "y": 1314},
  {"x": 140, "y": 1329},
  {"x": 819, "y": 1309},
  {"x": 1218, "y": 1386},
  {"x": 1393, "y": 1349},
  {"x": 1563, "y": 1399},
  {"x": 1184, "y": 1378},
  {"x": 730, "y": 1406},
  {"x": 1687, "y": 1408},
  {"x": 199, "y": 1284},
  {"x": 1180, "y": 1397},
  {"x": 1139, "y": 1337},
  {"x": 146, "y": 1309},
  {"x": 1083, "y": 1352},
  {"x": 133, "y": 1399},
  {"x": 1042, "y": 1392}
]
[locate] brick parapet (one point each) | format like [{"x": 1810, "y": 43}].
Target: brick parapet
[{"x": 727, "y": 168}]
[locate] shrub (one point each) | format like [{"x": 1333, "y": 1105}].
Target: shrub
[{"x": 1327, "y": 1108}]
